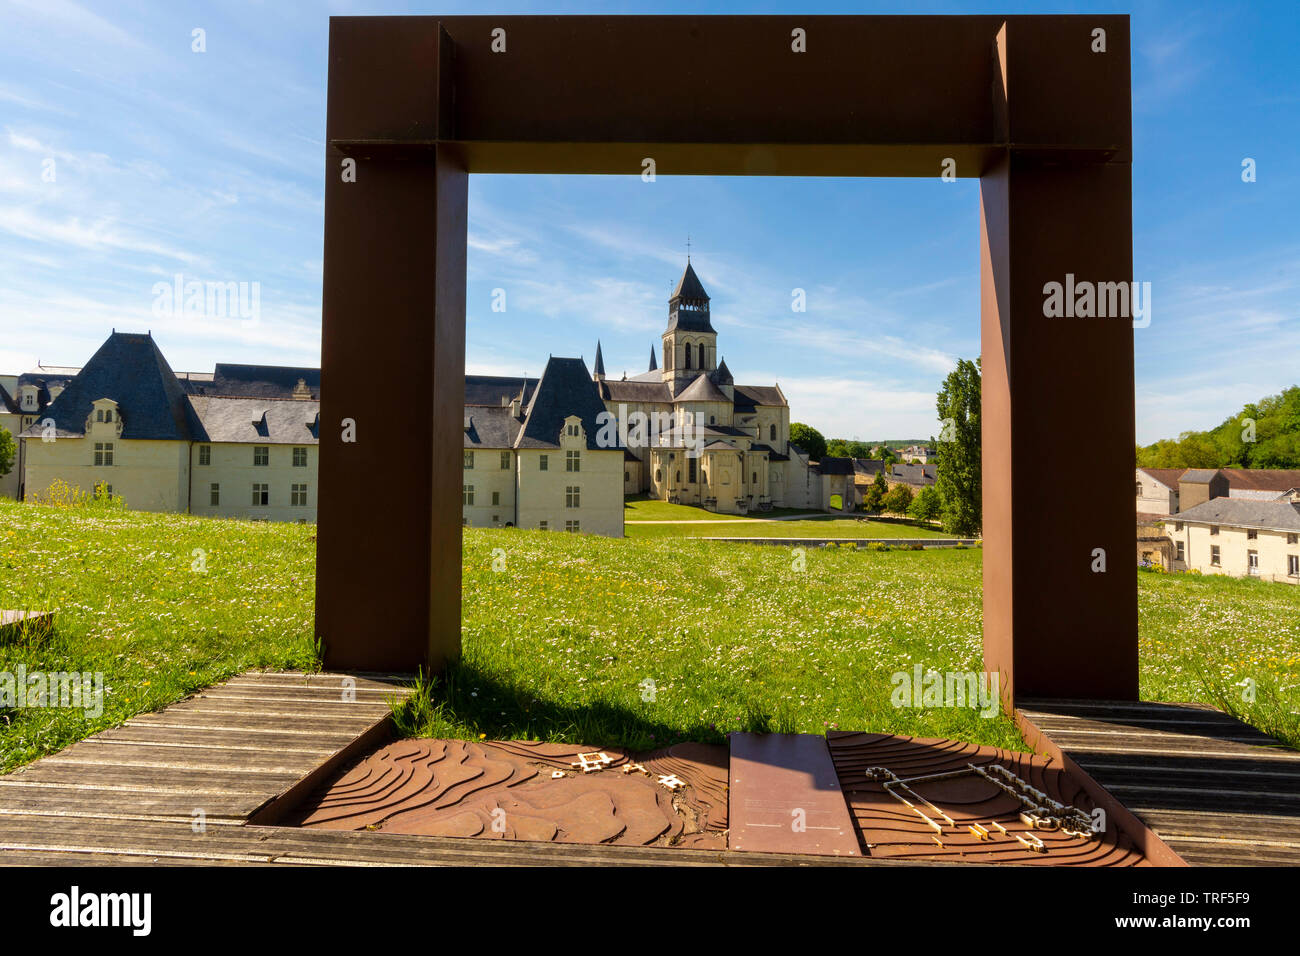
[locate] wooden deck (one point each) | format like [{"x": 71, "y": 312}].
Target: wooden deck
[
  {"x": 129, "y": 796},
  {"x": 1214, "y": 790}
]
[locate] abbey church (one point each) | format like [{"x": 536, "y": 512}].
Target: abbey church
[{"x": 728, "y": 445}]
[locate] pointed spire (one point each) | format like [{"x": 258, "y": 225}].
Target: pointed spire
[
  {"x": 598, "y": 371},
  {"x": 654, "y": 365}
]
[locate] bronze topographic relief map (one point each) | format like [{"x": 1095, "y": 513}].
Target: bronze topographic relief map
[{"x": 524, "y": 790}]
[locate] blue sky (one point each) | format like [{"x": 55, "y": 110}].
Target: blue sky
[{"x": 167, "y": 161}]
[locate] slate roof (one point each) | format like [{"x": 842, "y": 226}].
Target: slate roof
[
  {"x": 599, "y": 367},
  {"x": 1199, "y": 476},
  {"x": 635, "y": 391},
  {"x": 256, "y": 420},
  {"x": 913, "y": 474},
  {"x": 8, "y": 403},
  {"x": 751, "y": 395},
  {"x": 701, "y": 389},
  {"x": 654, "y": 365},
  {"x": 868, "y": 467},
  {"x": 836, "y": 466},
  {"x": 722, "y": 375},
  {"x": 492, "y": 389},
  {"x": 252, "y": 381},
  {"x": 129, "y": 369},
  {"x": 1245, "y": 513},
  {"x": 491, "y": 426},
  {"x": 564, "y": 389}
]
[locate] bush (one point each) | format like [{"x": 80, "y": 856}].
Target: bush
[{"x": 60, "y": 494}]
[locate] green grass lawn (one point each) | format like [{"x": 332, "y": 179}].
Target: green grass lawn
[
  {"x": 562, "y": 642},
  {"x": 751, "y": 528}
]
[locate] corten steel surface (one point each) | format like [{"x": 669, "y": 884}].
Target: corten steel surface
[
  {"x": 888, "y": 828},
  {"x": 1022, "y": 102},
  {"x": 506, "y": 790},
  {"x": 785, "y": 797}
]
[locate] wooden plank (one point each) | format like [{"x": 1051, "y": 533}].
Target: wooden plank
[
  {"x": 124, "y": 803},
  {"x": 179, "y": 758},
  {"x": 246, "y": 724},
  {"x": 785, "y": 797},
  {"x": 229, "y": 738},
  {"x": 227, "y": 780}
]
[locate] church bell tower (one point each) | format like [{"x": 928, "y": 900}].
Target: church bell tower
[{"x": 690, "y": 342}]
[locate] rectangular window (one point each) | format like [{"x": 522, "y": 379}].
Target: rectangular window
[
  {"x": 1293, "y": 565},
  {"x": 300, "y": 458},
  {"x": 542, "y": 525},
  {"x": 505, "y": 460},
  {"x": 261, "y": 494},
  {"x": 496, "y": 497},
  {"x": 1251, "y": 535},
  {"x": 104, "y": 453},
  {"x": 205, "y": 454},
  {"x": 261, "y": 455},
  {"x": 466, "y": 494},
  {"x": 298, "y": 495},
  {"x": 573, "y": 430},
  {"x": 1293, "y": 539},
  {"x": 572, "y": 461},
  {"x": 1214, "y": 555},
  {"x": 692, "y": 463},
  {"x": 571, "y": 526},
  {"x": 99, "y": 414},
  {"x": 214, "y": 494},
  {"x": 572, "y": 496},
  {"x": 1139, "y": 487},
  {"x": 103, "y": 491},
  {"x": 543, "y": 463},
  {"x": 1252, "y": 562},
  {"x": 1178, "y": 526},
  {"x": 469, "y": 460},
  {"x": 1214, "y": 529},
  {"x": 1182, "y": 554}
]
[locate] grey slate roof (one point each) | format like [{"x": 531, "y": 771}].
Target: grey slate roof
[
  {"x": 722, "y": 374},
  {"x": 836, "y": 466},
  {"x": 491, "y": 426},
  {"x": 1199, "y": 476},
  {"x": 493, "y": 389},
  {"x": 751, "y": 395},
  {"x": 253, "y": 381},
  {"x": 8, "y": 403},
  {"x": 256, "y": 420},
  {"x": 564, "y": 389},
  {"x": 129, "y": 369},
  {"x": 913, "y": 474},
  {"x": 701, "y": 389},
  {"x": 599, "y": 367},
  {"x": 654, "y": 365},
  {"x": 635, "y": 391},
  {"x": 1245, "y": 513}
]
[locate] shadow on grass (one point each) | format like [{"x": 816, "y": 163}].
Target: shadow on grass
[{"x": 468, "y": 703}]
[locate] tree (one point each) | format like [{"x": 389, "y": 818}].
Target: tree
[
  {"x": 809, "y": 440},
  {"x": 899, "y": 499},
  {"x": 927, "y": 505},
  {"x": 8, "y": 448},
  {"x": 957, "y": 473},
  {"x": 874, "y": 499}
]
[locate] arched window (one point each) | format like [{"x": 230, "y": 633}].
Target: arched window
[
  {"x": 659, "y": 475},
  {"x": 701, "y": 355},
  {"x": 679, "y": 477},
  {"x": 771, "y": 433},
  {"x": 754, "y": 481},
  {"x": 688, "y": 355}
]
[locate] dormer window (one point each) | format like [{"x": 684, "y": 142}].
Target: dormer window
[{"x": 573, "y": 430}]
